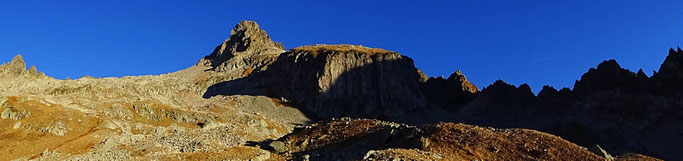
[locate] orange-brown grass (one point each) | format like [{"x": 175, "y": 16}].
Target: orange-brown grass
[
  {"x": 28, "y": 141},
  {"x": 466, "y": 142},
  {"x": 86, "y": 141},
  {"x": 315, "y": 49}
]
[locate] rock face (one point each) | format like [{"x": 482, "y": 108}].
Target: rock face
[
  {"x": 324, "y": 80},
  {"x": 346, "y": 80},
  {"x": 248, "y": 49}
]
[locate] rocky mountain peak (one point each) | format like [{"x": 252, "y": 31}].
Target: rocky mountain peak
[
  {"x": 608, "y": 75},
  {"x": 501, "y": 94},
  {"x": 548, "y": 92},
  {"x": 14, "y": 67},
  {"x": 640, "y": 74},
  {"x": 672, "y": 68},
  {"x": 461, "y": 81},
  {"x": 247, "y": 46},
  {"x": 17, "y": 63},
  {"x": 17, "y": 67},
  {"x": 609, "y": 65},
  {"x": 455, "y": 91}
]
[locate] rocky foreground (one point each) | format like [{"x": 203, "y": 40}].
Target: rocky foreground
[{"x": 250, "y": 99}]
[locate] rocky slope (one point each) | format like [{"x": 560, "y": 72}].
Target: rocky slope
[
  {"x": 132, "y": 118},
  {"x": 161, "y": 117},
  {"x": 362, "y": 139}
]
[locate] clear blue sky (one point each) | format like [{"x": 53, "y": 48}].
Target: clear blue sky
[{"x": 534, "y": 41}]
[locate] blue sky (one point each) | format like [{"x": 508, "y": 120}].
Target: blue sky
[{"x": 538, "y": 42}]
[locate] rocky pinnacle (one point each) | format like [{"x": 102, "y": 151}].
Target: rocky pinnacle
[
  {"x": 14, "y": 67},
  {"x": 247, "y": 42}
]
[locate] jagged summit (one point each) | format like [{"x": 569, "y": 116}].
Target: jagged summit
[
  {"x": 502, "y": 94},
  {"x": 610, "y": 64},
  {"x": 454, "y": 91},
  {"x": 17, "y": 63},
  {"x": 15, "y": 67},
  {"x": 462, "y": 82},
  {"x": 672, "y": 68},
  {"x": 247, "y": 43},
  {"x": 607, "y": 76}
]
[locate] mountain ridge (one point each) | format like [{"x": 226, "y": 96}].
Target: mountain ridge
[{"x": 252, "y": 100}]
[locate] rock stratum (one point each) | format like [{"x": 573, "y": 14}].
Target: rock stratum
[{"x": 250, "y": 99}]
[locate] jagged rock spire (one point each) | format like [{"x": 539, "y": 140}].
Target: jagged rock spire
[
  {"x": 672, "y": 68},
  {"x": 15, "y": 67},
  {"x": 17, "y": 62},
  {"x": 463, "y": 83},
  {"x": 247, "y": 39}
]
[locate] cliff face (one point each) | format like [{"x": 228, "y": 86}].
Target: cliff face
[
  {"x": 346, "y": 80},
  {"x": 324, "y": 80}
]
